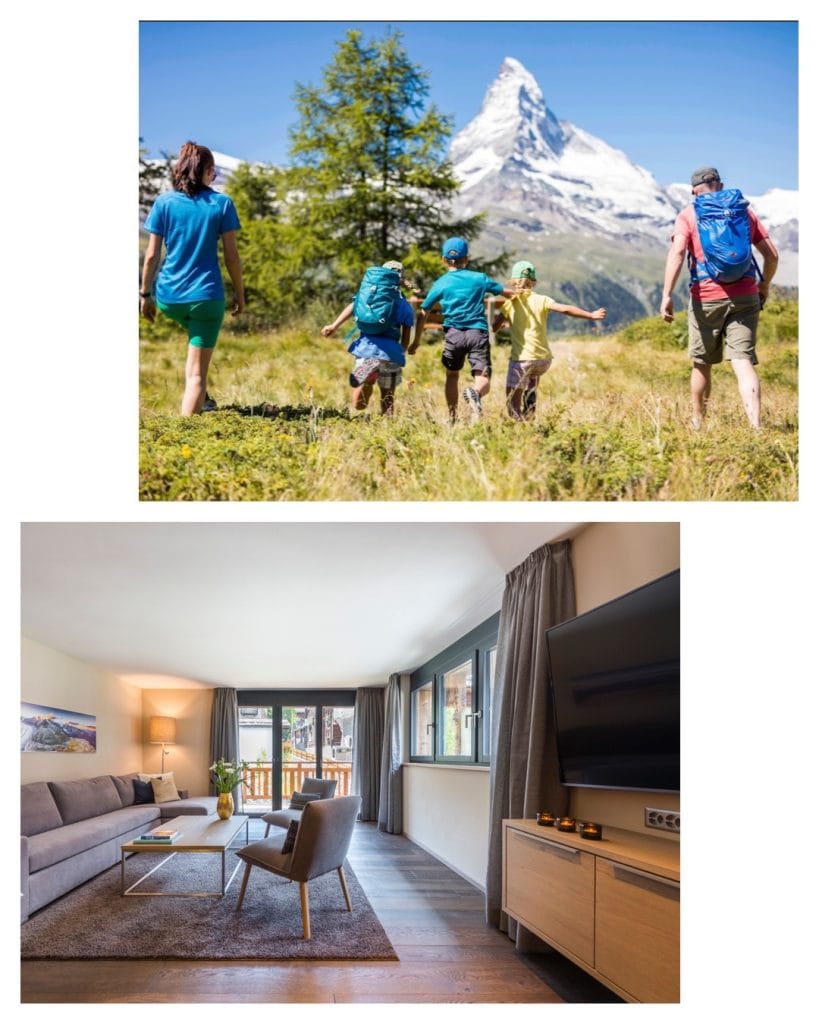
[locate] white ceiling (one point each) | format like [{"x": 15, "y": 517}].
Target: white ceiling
[{"x": 254, "y": 605}]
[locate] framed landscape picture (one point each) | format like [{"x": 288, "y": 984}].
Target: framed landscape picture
[{"x": 54, "y": 729}]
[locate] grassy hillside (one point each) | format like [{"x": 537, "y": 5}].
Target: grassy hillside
[
  {"x": 612, "y": 424},
  {"x": 625, "y": 276}
]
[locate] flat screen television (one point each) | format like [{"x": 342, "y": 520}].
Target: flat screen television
[{"x": 615, "y": 681}]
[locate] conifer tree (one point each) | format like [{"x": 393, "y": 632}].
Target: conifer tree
[{"x": 370, "y": 176}]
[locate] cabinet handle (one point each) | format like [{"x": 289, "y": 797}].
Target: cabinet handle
[
  {"x": 550, "y": 847},
  {"x": 653, "y": 883}
]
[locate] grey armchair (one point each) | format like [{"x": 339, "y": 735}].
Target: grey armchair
[
  {"x": 324, "y": 788},
  {"x": 322, "y": 841}
]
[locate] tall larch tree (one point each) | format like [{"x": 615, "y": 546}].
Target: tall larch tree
[{"x": 370, "y": 177}]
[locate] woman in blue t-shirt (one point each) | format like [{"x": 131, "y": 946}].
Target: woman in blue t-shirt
[{"x": 190, "y": 220}]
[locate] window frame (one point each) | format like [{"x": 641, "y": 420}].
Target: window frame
[
  {"x": 486, "y": 701},
  {"x": 476, "y": 646},
  {"x": 455, "y": 662},
  {"x": 422, "y": 758}
]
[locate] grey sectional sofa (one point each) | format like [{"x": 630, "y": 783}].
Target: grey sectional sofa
[{"x": 70, "y": 831}]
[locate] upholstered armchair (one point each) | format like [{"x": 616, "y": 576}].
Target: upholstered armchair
[
  {"x": 321, "y": 843},
  {"x": 318, "y": 789}
]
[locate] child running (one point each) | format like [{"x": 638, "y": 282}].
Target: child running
[
  {"x": 466, "y": 331},
  {"x": 531, "y": 356},
  {"x": 378, "y": 357}
]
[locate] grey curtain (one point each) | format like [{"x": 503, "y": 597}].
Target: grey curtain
[
  {"x": 524, "y": 773},
  {"x": 224, "y": 730},
  {"x": 390, "y": 810},
  {"x": 368, "y": 738}
]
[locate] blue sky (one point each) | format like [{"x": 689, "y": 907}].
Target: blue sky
[{"x": 644, "y": 87}]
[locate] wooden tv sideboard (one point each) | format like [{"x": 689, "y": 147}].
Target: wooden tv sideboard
[{"x": 612, "y": 906}]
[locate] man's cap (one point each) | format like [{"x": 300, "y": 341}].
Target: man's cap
[
  {"x": 524, "y": 269},
  {"x": 394, "y": 265},
  {"x": 454, "y": 249},
  {"x": 704, "y": 175}
]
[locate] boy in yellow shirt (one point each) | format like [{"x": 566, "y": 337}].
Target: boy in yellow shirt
[{"x": 531, "y": 356}]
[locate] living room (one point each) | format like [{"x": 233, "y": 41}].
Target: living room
[{"x": 129, "y": 623}]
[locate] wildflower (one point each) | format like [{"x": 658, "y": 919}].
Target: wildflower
[{"x": 186, "y": 451}]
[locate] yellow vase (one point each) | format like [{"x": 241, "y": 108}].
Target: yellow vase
[{"x": 224, "y": 805}]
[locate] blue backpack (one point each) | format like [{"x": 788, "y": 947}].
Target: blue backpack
[
  {"x": 375, "y": 306},
  {"x": 725, "y": 235}
]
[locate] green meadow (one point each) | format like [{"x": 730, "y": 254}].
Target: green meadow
[{"x": 612, "y": 424}]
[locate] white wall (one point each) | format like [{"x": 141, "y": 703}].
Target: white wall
[
  {"x": 54, "y": 679},
  {"x": 446, "y": 811}
]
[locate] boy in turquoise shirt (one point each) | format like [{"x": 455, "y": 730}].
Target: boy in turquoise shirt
[{"x": 461, "y": 294}]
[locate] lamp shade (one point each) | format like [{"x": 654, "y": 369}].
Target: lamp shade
[{"x": 161, "y": 729}]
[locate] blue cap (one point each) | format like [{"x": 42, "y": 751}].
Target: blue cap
[{"x": 454, "y": 249}]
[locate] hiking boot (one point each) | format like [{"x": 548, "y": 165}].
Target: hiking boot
[
  {"x": 473, "y": 400},
  {"x": 209, "y": 405}
]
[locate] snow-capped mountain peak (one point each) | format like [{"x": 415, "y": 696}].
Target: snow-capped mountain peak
[
  {"x": 513, "y": 124},
  {"x": 515, "y": 153}
]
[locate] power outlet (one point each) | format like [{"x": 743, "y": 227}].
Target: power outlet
[{"x": 667, "y": 821}]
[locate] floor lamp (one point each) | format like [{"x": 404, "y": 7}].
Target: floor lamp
[{"x": 162, "y": 730}]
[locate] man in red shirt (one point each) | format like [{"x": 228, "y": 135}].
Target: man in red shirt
[{"x": 720, "y": 316}]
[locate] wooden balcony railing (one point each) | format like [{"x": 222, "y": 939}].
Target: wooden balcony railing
[{"x": 259, "y": 791}]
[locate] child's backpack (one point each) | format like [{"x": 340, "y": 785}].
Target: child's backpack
[
  {"x": 725, "y": 235},
  {"x": 375, "y": 306}
]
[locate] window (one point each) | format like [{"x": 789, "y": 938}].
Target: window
[
  {"x": 457, "y": 716},
  {"x": 423, "y": 723},
  {"x": 451, "y": 700}
]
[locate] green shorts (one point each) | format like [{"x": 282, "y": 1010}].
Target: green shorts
[
  {"x": 202, "y": 320},
  {"x": 730, "y": 323}
]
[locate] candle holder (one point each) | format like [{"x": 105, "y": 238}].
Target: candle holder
[
  {"x": 566, "y": 825},
  {"x": 591, "y": 830},
  {"x": 544, "y": 818}
]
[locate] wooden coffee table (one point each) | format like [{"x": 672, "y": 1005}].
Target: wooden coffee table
[{"x": 198, "y": 834}]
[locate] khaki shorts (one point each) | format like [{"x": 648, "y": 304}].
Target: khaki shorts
[
  {"x": 728, "y": 323},
  {"x": 525, "y": 374}
]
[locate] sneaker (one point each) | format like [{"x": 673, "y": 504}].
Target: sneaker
[
  {"x": 473, "y": 400},
  {"x": 209, "y": 405}
]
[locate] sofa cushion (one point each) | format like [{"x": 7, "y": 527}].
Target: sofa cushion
[
  {"x": 143, "y": 792},
  {"x": 38, "y": 811},
  {"x": 85, "y": 798},
  {"x": 125, "y": 787},
  {"x": 164, "y": 790},
  {"x": 59, "y": 844}
]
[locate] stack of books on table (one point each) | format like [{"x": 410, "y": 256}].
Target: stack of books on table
[{"x": 158, "y": 835}]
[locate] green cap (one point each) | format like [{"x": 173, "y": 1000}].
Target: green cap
[{"x": 524, "y": 269}]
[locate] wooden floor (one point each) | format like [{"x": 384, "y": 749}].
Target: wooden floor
[{"x": 433, "y": 917}]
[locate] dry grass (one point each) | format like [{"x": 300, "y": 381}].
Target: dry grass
[{"x": 612, "y": 424}]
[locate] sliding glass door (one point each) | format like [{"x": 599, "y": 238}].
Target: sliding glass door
[
  {"x": 286, "y": 741},
  {"x": 297, "y": 759},
  {"x": 337, "y": 747}
]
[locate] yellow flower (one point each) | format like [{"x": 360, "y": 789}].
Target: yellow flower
[{"x": 186, "y": 451}]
